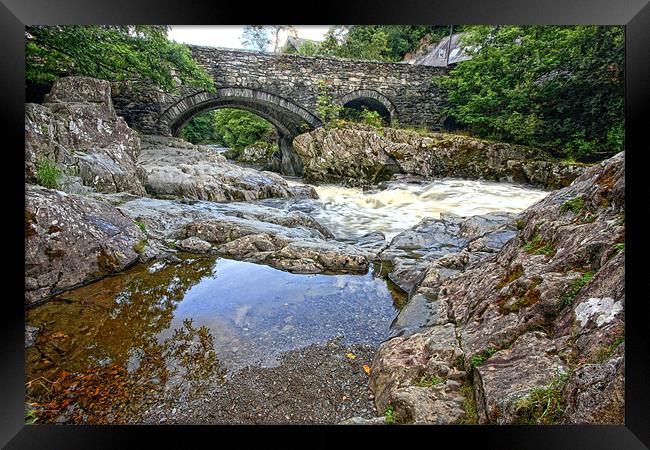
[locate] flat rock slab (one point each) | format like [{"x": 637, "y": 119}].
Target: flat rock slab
[{"x": 175, "y": 168}]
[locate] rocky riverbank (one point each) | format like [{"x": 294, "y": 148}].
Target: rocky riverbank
[
  {"x": 360, "y": 154},
  {"x": 532, "y": 334},
  {"x": 510, "y": 318}
]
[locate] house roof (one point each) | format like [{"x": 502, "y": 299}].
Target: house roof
[{"x": 297, "y": 42}]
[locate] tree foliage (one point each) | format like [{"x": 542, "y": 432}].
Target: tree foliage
[
  {"x": 255, "y": 37},
  {"x": 239, "y": 129},
  {"x": 201, "y": 130},
  {"x": 374, "y": 42},
  {"x": 114, "y": 53},
  {"x": 259, "y": 37},
  {"x": 555, "y": 87}
]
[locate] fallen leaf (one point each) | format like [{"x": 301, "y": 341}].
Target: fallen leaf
[
  {"x": 351, "y": 355},
  {"x": 366, "y": 369},
  {"x": 58, "y": 335}
]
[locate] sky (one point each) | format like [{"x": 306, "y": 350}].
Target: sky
[{"x": 228, "y": 35}]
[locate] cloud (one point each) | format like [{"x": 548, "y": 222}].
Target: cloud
[{"x": 228, "y": 35}]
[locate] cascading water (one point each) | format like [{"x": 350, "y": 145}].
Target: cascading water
[{"x": 352, "y": 212}]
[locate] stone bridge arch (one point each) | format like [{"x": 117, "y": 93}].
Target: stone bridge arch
[
  {"x": 289, "y": 119},
  {"x": 371, "y": 99}
]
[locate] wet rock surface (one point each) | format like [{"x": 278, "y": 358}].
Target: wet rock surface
[
  {"x": 290, "y": 241},
  {"x": 450, "y": 241},
  {"x": 358, "y": 154},
  {"x": 176, "y": 168}
]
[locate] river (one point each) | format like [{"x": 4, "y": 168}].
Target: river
[{"x": 127, "y": 348}]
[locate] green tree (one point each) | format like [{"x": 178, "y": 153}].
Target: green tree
[
  {"x": 259, "y": 37},
  {"x": 375, "y": 42},
  {"x": 255, "y": 37},
  {"x": 114, "y": 53},
  {"x": 239, "y": 129},
  {"x": 201, "y": 129},
  {"x": 556, "y": 87}
]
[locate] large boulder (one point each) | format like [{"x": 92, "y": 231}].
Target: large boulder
[
  {"x": 77, "y": 129},
  {"x": 441, "y": 240},
  {"x": 362, "y": 154},
  {"x": 72, "y": 240}
]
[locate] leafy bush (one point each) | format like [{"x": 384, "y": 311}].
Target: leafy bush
[
  {"x": 239, "y": 129},
  {"x": 201, "y": 129},
  {"x": 48, "y": 173},
  {"x": 326, "y": 108},
  {"x": 372, "y": 118}
]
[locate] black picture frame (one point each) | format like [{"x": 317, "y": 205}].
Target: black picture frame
[{"x": 634, "y": 14}]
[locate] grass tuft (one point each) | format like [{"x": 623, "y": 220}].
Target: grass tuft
[
  {"x": 574, "y": 205},
  {"x": 575, "y": 289},
  {"x": 389, "y": 413},
  {"x": 480, "y": 358},
  {"x": 542, "y": 406},
  {"x": 48, "y": 174},
  {"x": 425, "y": 381}
]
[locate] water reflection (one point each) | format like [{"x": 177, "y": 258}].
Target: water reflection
[{"x": 109, "y": 351}]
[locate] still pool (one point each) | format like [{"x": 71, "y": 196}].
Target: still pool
[{"x": 248, "y": 313}]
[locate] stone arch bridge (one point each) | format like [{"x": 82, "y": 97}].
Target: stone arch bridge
[{"x": 284, "y": 90}]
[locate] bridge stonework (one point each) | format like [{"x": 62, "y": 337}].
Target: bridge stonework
[{"x": 284, "y": 90}]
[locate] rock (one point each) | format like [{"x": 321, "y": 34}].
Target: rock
[
  {"x": 360, "y": 154},
  {"x": 289, "y": 241},
  {"x": 510, "y": 375},
  {"x": 194, "y": 245},
  {"x": 399, "y": 362},
  {"x": 71, "y": 240},
  {"x": 303, "y": 190},
  {"x": 30, "y": 335},
  {"x": 525, "y": 305},
  {"x": 76, "y": 127},
  {"x": 439, "y": 405},
  {"x": 420, "y": 312},
  {"x": 595, "y": 393},
  {"x": 259, "y": 153},
  {"x": 413, "y": 251},
  {"x": 175, "y": 168},
  {"x": 344, "y": 155},
  {"x": 363, "y": 421}
]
